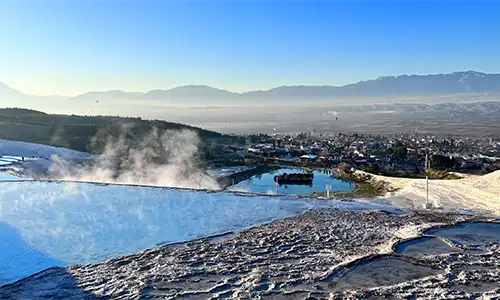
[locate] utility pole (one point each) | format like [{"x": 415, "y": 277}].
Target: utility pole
[
  {"x": 275, "y": 138},
  {"x": 498, "y": 204},
  {"x": 428, "y": 205}
]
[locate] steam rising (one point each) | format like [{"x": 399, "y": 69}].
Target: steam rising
[{"x": 161, "y": 158}]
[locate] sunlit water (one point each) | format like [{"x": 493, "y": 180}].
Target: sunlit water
[
  {"x": 392, "y": 270},
  {"x": 44, "y": 224},
  {"x": 423, "y": 246},
  {"x": 265, "y": 184},
  {"x": 378, "y": 272},
  {"x": 4, "y": 176},
  {"x": 470, "y": 233}
]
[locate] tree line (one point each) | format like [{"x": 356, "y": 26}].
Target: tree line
[{"x": 80, "y": 132}]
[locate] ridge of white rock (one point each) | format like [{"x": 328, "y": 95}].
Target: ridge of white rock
[{"x": 473, "y": 192}]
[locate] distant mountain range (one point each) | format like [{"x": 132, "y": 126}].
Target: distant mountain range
[{"x": 403, "y": 85}]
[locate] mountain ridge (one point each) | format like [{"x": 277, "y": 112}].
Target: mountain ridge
[{"x": 404, "y": 84}]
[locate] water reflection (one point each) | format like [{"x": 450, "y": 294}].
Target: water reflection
[
  {"x": 469, "y": 233},
  {"x": 264, "y": 183},
  {"x": 377, "y": 272},
  {"x": 5, "y": 176},
  {"x": 423, "y": 246},
  {"x": 74, "y": 223}
]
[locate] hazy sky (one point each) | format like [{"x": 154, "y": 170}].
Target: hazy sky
[{"x": 69, "y": 47}]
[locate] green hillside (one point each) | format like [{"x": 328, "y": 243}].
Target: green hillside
[{"x": 79, "y": 132}]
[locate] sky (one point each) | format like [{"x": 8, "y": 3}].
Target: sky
[{"x": 70, "y": 47}]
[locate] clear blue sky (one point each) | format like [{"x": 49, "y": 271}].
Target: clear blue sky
[{"x": 69, "y": 47}]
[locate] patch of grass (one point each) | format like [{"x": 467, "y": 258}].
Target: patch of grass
[
  {"x": 401, "y": 174},
  {"x": 365, "y": 187},
  {"x": 368, "y": 190},
  {"x": 439, "y": 174},
  {"x": 433, "y": 174},
  {"x": 362, "y": 190}
]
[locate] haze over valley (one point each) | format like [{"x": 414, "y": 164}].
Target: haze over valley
[{"x": 469, "y": 100}]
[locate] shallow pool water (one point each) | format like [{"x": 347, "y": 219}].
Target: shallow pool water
[
  {"x": 265, "y": 184},
  {"x": 423, "y": 246},
  {"x": 5, "y": 176},
  {"x": 469, "y": 233},
  {"x": 475, "y": 287},
  {"x": 44, "y": 224},
  {"x": 377, "y": 272}
]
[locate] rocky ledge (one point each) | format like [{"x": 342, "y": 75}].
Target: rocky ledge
[{"x": 322, "y": 254}]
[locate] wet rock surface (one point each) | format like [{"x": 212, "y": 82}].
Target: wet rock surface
[
  {"x": 466, "y": 277},
  {"x": 381, "y": 271},
  {"x": 323, "y": 254},
  {"x": 469, "y": 233},
  {"x": 424, "y": 246}
]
